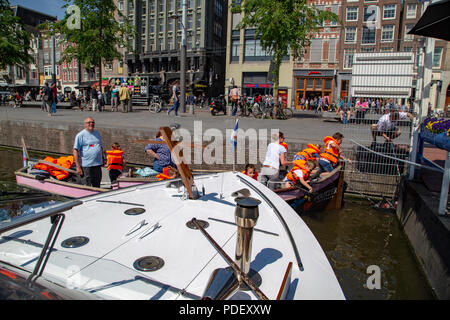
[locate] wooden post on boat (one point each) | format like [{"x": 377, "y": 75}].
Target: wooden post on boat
[
  {"x": 183, "y": 168},
  {"x": 336, "y": 202}
]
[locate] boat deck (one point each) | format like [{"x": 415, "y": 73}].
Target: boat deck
[{"x": 105, "y": 266}]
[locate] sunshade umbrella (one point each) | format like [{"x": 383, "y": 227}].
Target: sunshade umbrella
[{"x": 435, "y": 21}]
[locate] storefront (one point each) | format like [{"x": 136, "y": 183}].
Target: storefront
[{"x": 313, "y": 83}]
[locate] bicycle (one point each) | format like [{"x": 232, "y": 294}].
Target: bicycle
[
  {"x": 282, "y": 113},
  {"x": 156, "y": 104}
]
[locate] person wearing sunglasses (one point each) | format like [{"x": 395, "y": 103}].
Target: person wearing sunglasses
[{"x": 88, "y": 154}]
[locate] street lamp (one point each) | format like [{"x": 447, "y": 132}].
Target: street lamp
[{"x": 183, "y": 56}]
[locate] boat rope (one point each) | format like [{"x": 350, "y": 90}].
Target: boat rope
[{"x": 397, "y": 159}]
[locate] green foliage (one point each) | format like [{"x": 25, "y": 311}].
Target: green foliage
[
  {"x": 14, "y": 40},
  {"x": 100, "y": 35},
  {"x": 284, "y": 27}
]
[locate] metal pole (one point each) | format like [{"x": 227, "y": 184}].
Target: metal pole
[
  {"x": 183, "y": 60},
  {"x": 444, "y": 189},
  {"x": 53, "y": 60}
]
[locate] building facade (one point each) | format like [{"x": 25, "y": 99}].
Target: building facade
[
  {"x": 31, "y": 75},
  {"x": 315, "y": 73},
  {"x": 377, "y": 26},
  {"x": 156, "y": 50},
  {"x": 247, "y": 64}
]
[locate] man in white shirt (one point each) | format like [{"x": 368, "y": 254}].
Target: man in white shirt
[
  {"x": 275, "y": 155},
  {"x": 387, "y": 125}
]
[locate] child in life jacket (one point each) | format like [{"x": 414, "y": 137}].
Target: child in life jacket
[
  {"x": 167, "y": 174},
  {"x": 300, "y": 174},
  {"x": 250, "y": 171},
  {"x": 115, "y": 162},
  {"x": 329, "y": 159}
]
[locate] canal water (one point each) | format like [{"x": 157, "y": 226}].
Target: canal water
[{"x": 358, "y": 241}]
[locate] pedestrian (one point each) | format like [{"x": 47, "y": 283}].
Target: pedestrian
[
  {"x": 88, "y": 154},
  {"x": 275, "y": 156},
  {"x": 115, "y": 98},
  {"x": 94, "y": 97},
  {"x": 101, "y": 103},
  {"x": 175, "y": 99},
  {"x": 54, "y": 96},
  {"x": 124, "y": 96},
  {"x": 44, "y": 102},
  {"x": 235, "y": 95},
  {"x": 48, "y": 98}
]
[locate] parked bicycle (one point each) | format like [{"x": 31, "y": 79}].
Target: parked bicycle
[
  {"x": 156, "y": 104},
  {"x": 282, "y": 113}
]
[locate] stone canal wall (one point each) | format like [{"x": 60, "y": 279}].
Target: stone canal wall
[
  {"x": 428, "y": 234},
  {"x": 59, "y": 136}
]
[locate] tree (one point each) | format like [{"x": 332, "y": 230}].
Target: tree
[
  {"x": 283, "y": 27},
  {"x": 14, "y": 39},
  {"x": 97, "y": 40}
]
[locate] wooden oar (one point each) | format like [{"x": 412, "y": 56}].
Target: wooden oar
[{"x": 56, "y": 166}]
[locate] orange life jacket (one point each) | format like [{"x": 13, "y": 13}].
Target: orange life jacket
[
  {"x": 114, "y": 159},
  {"x": 164, "y": 175},
  {"x": 254, "y": 177},
  {"x": 331, "y": 153},
  {"x": 310, "y": 153},
  {"x": 59, "y": 174},
  {"x": 292, "y": 176},
  {"x": 285, "y": 145}
]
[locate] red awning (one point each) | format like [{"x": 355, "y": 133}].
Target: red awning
[{"x": 104, "y": 83}]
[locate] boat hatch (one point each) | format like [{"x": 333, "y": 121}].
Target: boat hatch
[{"x": 147, "y": 264}]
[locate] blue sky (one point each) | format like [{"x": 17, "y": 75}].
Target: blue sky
[{"x": 51, "y": 7}]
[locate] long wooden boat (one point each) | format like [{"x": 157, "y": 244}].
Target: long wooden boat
[
  {"x": 55, "y": 186},
  {"x": 76, "y": 190},
  {"x": 327, "y": 193}
]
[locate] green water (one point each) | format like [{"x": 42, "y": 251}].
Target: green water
[{"x": 353, "y": 239}]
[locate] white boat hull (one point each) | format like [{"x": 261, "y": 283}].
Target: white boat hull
[{"x": 104, "y": 267}]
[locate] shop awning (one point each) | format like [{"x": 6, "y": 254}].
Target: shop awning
[{"x": 435, "y": 21}]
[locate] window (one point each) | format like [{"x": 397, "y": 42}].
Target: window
[
  {"x": 370, "y": 14},
  {"x": 315, "y": 50},
  {"x": 253, "y": 51},
  {"x": 369, "y": 49},
  {"x": 170, "y": 25},
  {"x": 350, "y": 35},
  {"x": 70, "y": 76},
  {"x": 161, "y": 6},
  {"x": 120, "y": 5},
  {"x": 348, "y": 58},
  {"x": 389, "y": 11},
  {"x": 408, "y": 37},
  {"x": 407, "y": 49},
  {"x": 65, "y": 76},
  {"x": 171, "y": 5},
  {"x": 387, "y": 33},
  {"x": 189, "y": 23},
  {"x": 46, "y": 57},
  {"x": 437, "y": 57},
  {"x": 75, "y": 75},
  {"x": 352, "y": 14},
  {"x": 369, "y": 35},
  {"x": 386, "y": 49},
  {"x": 411, "y": 11},
  {"x": 235, "y": 45}
]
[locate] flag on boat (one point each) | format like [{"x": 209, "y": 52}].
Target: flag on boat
[
  {"x": 24, "y": 157},
  {"x": 233, "y": 138}
]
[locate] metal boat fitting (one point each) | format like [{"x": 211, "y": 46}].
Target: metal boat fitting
[
  {"x": 246, "y": 216},
  {"x": 222, "y": 284}
]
